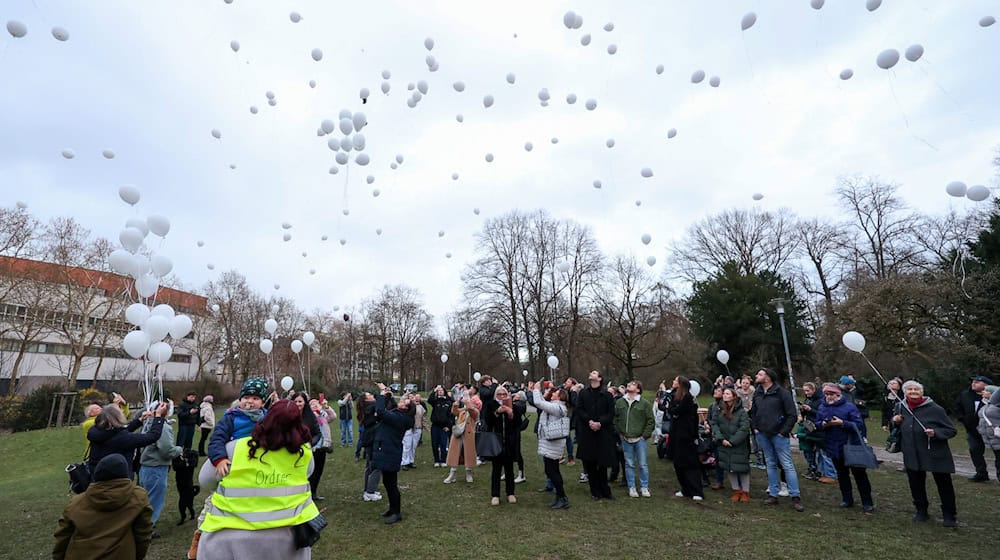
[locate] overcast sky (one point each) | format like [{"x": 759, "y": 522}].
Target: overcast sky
[{"x": 151, "y": 80}]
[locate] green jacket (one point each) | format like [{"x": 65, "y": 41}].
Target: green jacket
[
  {"x": 634, "y": 419},
  {"x": 736, "y": 430}
]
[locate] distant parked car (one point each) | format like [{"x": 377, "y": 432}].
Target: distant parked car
[
  {"x": 394, "y": 387},
  {"x": 410, "y": 388}
]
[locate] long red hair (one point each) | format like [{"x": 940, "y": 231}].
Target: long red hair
[{"x": 281, "y": 428}]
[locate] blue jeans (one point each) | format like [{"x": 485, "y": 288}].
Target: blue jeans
[
  {"x": 154, "y": 480},
  {"x": 777, "y": 449},
  {"x": 826, "y": 467},
  {"x": 636, "y": 453},
  {"x": 346, "y": 432},
  {"x": 439, "y": 443}
]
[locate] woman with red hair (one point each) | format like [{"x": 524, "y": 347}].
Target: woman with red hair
[{"x": 265, "y": 494}]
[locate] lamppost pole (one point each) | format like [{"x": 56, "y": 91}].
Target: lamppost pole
[
  {"x": 779, "y": 305},
  {"x": 470, "y": 373}
]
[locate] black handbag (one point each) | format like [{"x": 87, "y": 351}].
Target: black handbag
[
  {"x": 488, "y": 445},
  {"x": 859, "y": 455},
  {"x": 79, "y": 474},
  {"x": 306, "y": 534}
]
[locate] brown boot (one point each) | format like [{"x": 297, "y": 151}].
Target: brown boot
[
  {"x": 737, "y": 496},
  {"x": 745, "y": 497},
  {"x": 193, "y": 551}
]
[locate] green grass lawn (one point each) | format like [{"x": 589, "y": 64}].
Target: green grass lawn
[{"x": 450, "y": 521}]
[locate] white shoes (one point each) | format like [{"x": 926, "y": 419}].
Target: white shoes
[
  {"x": 495, "y": 501},
  {"x": 632, "y": 493},
  {"x": 697, "y": 498},
  {"x": 503, "y": 476},
  {"x": 512, "y": 499},
  {"x": 679, "y": 494},
  {"x": 450, "y": 479},
  {"x": 468, "y": 476},
  {"x": 520, "y": 478},
  {"x": 783, "y": 492},
  {"x": 645, "y": 493},
  {"x": 371, "y": 496}
]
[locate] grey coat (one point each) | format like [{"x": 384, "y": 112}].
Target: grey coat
[
  {"x": 990, "y": 414},
  {"x": 550, "y": 449},
  {"x": 160, "y": 454},
  {"x": 917, "y": 454}
]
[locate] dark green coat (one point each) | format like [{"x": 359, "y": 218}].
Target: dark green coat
[
  {"x": 735, "y": 459},
  {"x": 917, "y": 454}
]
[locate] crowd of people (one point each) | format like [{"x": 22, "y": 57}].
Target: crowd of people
[{"x": 272, "y": 503}]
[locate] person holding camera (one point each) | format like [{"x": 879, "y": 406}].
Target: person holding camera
[
  {"x": 502, "y": 415},
  {"x": 112, "y": 433},
  {"x": 551, "y": 413},
  {"x": 462, "y": 447},
  {"x": 387, "y": 450},
  {"x": 840, "y": 419}
]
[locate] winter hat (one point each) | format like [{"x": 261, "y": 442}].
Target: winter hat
[
  {"x": 255, "y": 387},
  {"x": 111, "y": 467},
  {"x": 992, "y": 389},
  {"x": 832, "y": 387},
  {"x": 208, "y": 399},
  {"x": 846, "y": 380}
]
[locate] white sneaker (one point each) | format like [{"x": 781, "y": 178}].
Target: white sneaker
[
  {"x": 520, "y": 478},
  {"x": 503, "y": 476},
  {"x": 645, "y": 493},
  {"x": 679, "y": 494},
  {"x": 371, "y": 496},
  {"x": 511, "y": 499},
  {"x": 697, "y": 498},
  {"x": 632, "y": 493},
  {"x": 495, "y": 501},
  {"x": 583, "y": 477},
  {"x": 479, "y": 463},
  {"x": 783, "y": 491},
  {"x": 468, "y": 477},
  {"x": 450, "y": 479}
]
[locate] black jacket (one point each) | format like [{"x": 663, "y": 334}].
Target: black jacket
[
  {"x": 508, "y": 428},
  {"x": 774, "y": 411},
  {"x": 441, "y": 411},
  {"x": 121, "y": 441},
  {"x": 370, "y": 422},
  {"x": 387, "y": 448},
  {"x": 919, "y": 454},
  {"x": 965, "y": 409},
  {"x": 684, "y": 432},
  {"x": 598, "y": 447},
  {"x": 187, "y": 413}
]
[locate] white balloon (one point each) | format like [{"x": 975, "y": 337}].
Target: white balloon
[
  {"x": 571, "y": 98},
  {"x": 477, "y": 376},
  {"x": 511, "y": 78},
  {"x": 130, "y": 238},
  {"x": 17, "y": 29},
  {"x": 343, "y": 241},
  {"x": 441, "y": 233},
  {"x": 271, "y": 326},
  {"x": 378, "y": 231},
  {"x": 363, "y": 93},
  {"x": 651, "y": 260},
  {"x": 215, "y": 307},
  {"x": 528, "y": 146},
  {"x": 454, "y": 176},
  {"x": 846, "y": 74},
  {"x": 216, "y": 133},
  {"x": 459, "y": 86},
  {"x": 431, "y": 62},
  {"x": 235, "y": 45},
  {"x": 163, "y": 310},
  {"x": 610, "y": 143},
  {"x": 60, "y": 34},
  {"x": 393, "y": 165},
  {"x": 555, "y": 140},
  {"x": 317, "y": 55},
  {"x": 977, "y": 193},
  {"x": 569, "y": 19},
  {"x": 253, "y": 109},
  {"x": 646, "y": 238},
  {"x": 140, "y": 266},
  {"x": 129, "y": 194},
  {"x": 68, "y": 154},
  {"x": 158, "y": 225},
  {"x": 136, "y": 343},
  {"x": 346, "y": 212},
  {"x": 757, "y": 196},
  {"x": 659, "y": 69},
  {"x": 277, "y": 286},
  {"x": 312, "y": 271},
  {"x": 362, "y": 159},
  {"x": 459, "y": 118},
  {"x": 887, "y": 59},
  {"x": 296, "y": 346},
  {"x": 914, "y": 52},
  {"x": 211, "y": 266},
  {"x": 872, "y": 5},
  {"x": 475, "y": 211},
  {"x": 139, "y": 225},
  {"x": 346, "y": 126},
  {"x": 411, "y": 103},
  {"x": 429, "y": 44},
  {"x": 180, "y": 326},
  {"x": 722, "y": 356},
  {"x": 370, "y": 179},
  {"x": 157, "y": 327},
  {"x": 265, "y": 346},
  {"x": 295, "y": 17},
  {"x": 489, "y": 158},
  {"x": 341, "y": 158},
  {"x": 591, "y": 104},
  {"x": 272, "y": 102},
  {"x": 488, "y": 101},
  {"x": 444, "y": 358},
  {"x": 714, "y": 81},
  {"x": 638, "y": 203},
  {"x": 987, "y": 21},
  {"x": 312, "y": 83},
  {"x": 287, "y": 383},
  {"x": 346, "y": 144},
  {"x": 748, "y": 20},
  {"x": 308, "y": 338},
  {"x": 385, "y": 87},
  {"x": 612, "y": 48},
  {"x": 671, "y": 133},
  {"x": 956, "y": 188},
  {"x": 609, "y": 27},
  {"x": 275, "y": 309},
  {"x": 108, "y": 154},
  {"x": 358, "y": 141},
  {"x": 328, "y": 126},
  {"x": 161, "y": 265},
  {"x": 201, "y": 243},
  {"x": 646, "y": 172},
  {"x": 585, "y": 40},
  {"x": 269, "y": 94},
  {"x": 698, "y": 76},
  {"x": 399, "y": 159},
  {"x": 386, "y": 74},
  {"x": 854, "y": 341},
  {"x": 552, "y": 361},
  {"x": 543, "y": 94},
  {"x": 136, "y": 314},
  {"x": 817, "y": 4},
  {"x": 578, "y": 22},
  {"x": 121, "y": 260},
  {"x": 359, "y": 120},
  {"x": 334, "y": 144},
  {"x": 695, "y": 388}
]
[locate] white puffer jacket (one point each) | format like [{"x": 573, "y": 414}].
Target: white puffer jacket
[
  {"x": 989, "y": 420},
  {"x": 550, "y": 449}
]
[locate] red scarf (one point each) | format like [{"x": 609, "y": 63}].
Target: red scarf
[{"x": 913, "y": 404}]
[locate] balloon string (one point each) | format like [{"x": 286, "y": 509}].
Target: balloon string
[
  {"x": 906, "y": 119},
  {"x": 958, "y": 106},
  {"x": 896, "y": 395},
  {"x": 753, "y": 74}
]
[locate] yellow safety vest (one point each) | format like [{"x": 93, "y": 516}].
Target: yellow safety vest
[{"x": 262, "y": 495}]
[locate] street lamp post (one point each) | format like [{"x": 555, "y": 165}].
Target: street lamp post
[
  {"x": 470, "y": 373},
  {"x": 779, "y": 305}
]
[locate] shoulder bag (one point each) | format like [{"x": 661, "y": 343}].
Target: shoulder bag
[{"x": 859, "y": 455}]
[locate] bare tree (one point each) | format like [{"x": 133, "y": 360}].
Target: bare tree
[
  {"x": 884, "y": 244},
  {"x": 754, "y": 240},
  {"x": 241, "y": 316}
]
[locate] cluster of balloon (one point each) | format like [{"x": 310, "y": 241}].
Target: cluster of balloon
[
  {"x": 349, "y": 124},
  {"x": 975, "y": 193},
  {"x": 18, "y": 30},
  {"x": 889, "y": 57}
]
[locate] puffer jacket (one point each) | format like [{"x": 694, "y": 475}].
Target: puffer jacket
[
  {"x": 838, "y": 436},
  {"x": 989, "y": 421},
  {"x": 549, "y": 411},
  {"x": 112, "y": 520},
  {"x": 387, "y": 447},
  {"x": 736, "y": 431},
  {"x": 207, "y": 415},
  {"x": 162, "y": 452}
]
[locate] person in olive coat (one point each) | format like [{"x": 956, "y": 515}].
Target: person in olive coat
[
  {"x": 925, "y": 430},
  {"x": 731, "y": 431},
  {"x": 595, "y": 435}
]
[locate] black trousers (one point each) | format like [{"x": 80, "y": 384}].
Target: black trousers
[
  {"x": 201, "y": 442},
  {"x": 844, "y": 474},
  {"x": 946, "y": 491},
  {"x": 185, "y": 435},
  {"x": 597, "y": 477},
  {"x": 977, "y": 452},
  {"x": 507, "y": 466},
  {"x": 319, "y": 463},
  {"x": 619, "y": 468},
  {"x": 690, "y": 481},
  {"x": 554, "y": 476},
  {"x": 391, "y": 482}
]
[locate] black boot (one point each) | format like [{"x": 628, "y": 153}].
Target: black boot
[
  {"x": 920, "y": 516},
  {"x": 950, "y": 520},
  {"x": 560, "y": 503}
]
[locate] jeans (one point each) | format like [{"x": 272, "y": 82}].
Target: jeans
[
  {"x": 185, "y": 435},
  {"x": 635, "y": 455},
  {"x": 826, "y": 467},
  {"x": 346, "y": 432},
  {"x": 410, "y": 439},
  {"x": 154, "y": 480},
  {"x": 777, "y": 449},
  {"x": 372, "y": 475},
  {"x": 439, "y": 443}
]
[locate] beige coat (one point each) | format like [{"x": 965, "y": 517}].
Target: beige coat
[{"x": 463, "y": 450}]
